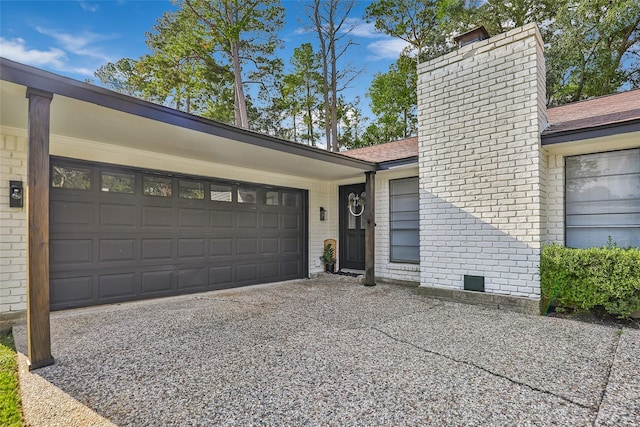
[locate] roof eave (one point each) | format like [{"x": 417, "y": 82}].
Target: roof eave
[
  {"x": 35, "y": 78},
  {"x": 397, "y": 163},
  {"x": 610, "y": 129}
]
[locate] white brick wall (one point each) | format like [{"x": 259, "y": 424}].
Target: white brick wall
[
  {"x": 482, "y": 173},
  {"x": 13, "y": 224},
  {"x": 322, "y": 195},
  {"x": 555, "y": 199}
]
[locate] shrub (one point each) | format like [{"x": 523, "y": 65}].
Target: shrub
[{"x": 586, "y": 278}]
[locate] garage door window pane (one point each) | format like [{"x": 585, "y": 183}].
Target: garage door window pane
[
  {"x": 73, "y": 178},
  {"x": 191, "y": 190},
  {"x": 271, "y": 198},
  {"x": 220, "y": 193},
  {"x": 113, "y": 182},
  {"x": 246, "y": 195},
  {"x": 603, "y": 199},
  {"x": 157, "y": 186},
  {"x": 290, "y": 200}
]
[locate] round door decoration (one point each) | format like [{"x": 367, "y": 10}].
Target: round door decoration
[{"x": 356, "y": 203}]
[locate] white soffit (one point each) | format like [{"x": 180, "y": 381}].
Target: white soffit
[{"x": 82, "y": 120}]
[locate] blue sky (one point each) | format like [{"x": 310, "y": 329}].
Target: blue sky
[{"x": 75, "y": 37}]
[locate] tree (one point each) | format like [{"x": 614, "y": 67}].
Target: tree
[
  {"x": 394, "y": 99},
  {"x": 350, "y": 122},
  {"x": 306, "y": 64},
  {"x": 331, "y": 24},
  {"x": 244, "y": 32},
  {"x": 425, "y": 25},
  {"x": 499, "y": 16},
  {"x": 596, "y": 51},
  {"x": 120, "y": 76}
]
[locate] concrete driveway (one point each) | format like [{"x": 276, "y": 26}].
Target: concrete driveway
[{"x": 329, "y": 351}]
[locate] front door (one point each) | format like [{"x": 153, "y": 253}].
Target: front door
[{"x": 352, "y": 205}]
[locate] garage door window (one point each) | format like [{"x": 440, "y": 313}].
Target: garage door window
[
  {"x": 220, "y": 193},
  {"x": 191, "y": 190},
  {"x": 113, "y": 182},
  {"x": 246, "y": 195},
  {"x": 157, "y": 186},
  {"x": 290, "y": 200},
  {"x": 271, "y": 198},
  {"x": 72, "y": 178}
]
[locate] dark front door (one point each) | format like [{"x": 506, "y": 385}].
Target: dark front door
[{"x": 352, "y": 202}]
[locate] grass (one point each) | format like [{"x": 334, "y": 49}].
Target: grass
[{"x": 10, "y": 415}]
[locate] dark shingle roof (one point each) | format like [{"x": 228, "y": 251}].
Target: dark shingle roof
[
  {"x": 605, "y": 110},
  {"x": 396, "y": 150}
]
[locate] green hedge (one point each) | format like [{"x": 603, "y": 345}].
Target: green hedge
[{"x": 586, "y": 278}]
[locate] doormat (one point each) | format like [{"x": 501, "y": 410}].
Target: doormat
[{"x": 347, "y": 273}]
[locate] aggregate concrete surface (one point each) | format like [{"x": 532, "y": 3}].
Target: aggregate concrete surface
[{"x": 328, "y": 351}]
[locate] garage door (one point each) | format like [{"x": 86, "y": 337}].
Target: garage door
[{"x": 119, "y": 234}]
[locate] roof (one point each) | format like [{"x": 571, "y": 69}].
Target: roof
[
  {"x": 84, "y": 112},
  {"x": 390, "y": 151},
  {"x": 605, "y": 110},
  {"x": 620, "y": 111}
]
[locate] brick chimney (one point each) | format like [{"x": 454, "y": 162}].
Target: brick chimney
[{"x": 481, "y": 110}]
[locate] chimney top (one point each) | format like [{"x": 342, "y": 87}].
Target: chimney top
[{"x": 472, "y": 36}]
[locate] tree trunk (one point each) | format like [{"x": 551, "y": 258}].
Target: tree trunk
[
  {"x": 312, "y": 139},
  {"x": 240, "y": 103},
  {"x": 334, "y": 98}
]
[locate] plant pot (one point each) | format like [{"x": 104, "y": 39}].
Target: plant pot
[{"x": 329, "y": 268}]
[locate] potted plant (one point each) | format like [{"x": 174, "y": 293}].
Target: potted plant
[{"x": 328, "y": 258}]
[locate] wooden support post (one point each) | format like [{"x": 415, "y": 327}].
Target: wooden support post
[
  {"x": 38, "y": 326},
  {"x": 370, "y": 230}
]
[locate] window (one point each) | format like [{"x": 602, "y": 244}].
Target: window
[
  {"x": 290, "y": 200},
  {"x": 246, "y": 195},
  {"x": 114, "y": 182},
  {"x": 157, "y": 186},
  {"x": 71, "y": 177},
  {"x": 404, "y": 220},
  {"x": 191, "y": 190},
  {"x": 220, "y": 193},
  {"x": 271, "y": 198},
  {"x": 603, "y": 199}
]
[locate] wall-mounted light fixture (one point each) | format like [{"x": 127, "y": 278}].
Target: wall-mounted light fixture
[
  {"x": 323, "y": 213},
  {"x": 16, "y": 195}
]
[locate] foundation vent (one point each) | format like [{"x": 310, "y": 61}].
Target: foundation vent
[{"x": 474, "y": 283}]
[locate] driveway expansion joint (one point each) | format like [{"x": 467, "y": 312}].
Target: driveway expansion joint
[
  {"x": 490, "y": 372},
  {"x": 616, "y": 344}
]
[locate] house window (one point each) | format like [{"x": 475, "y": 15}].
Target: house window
[
  {"x": 404, "y": 220},
  {"x": 603, "y": 199}
]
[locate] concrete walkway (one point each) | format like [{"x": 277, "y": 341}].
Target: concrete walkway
[{"x": 329, "y": 351}]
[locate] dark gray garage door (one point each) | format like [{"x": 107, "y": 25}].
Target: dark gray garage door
[{"x": 120, "y": 234}]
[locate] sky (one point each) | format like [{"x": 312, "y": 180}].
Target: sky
[{"x": 74, "y": 38}]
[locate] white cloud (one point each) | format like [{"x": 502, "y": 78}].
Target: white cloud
[
  {"x": 80, "y": 44},
  {"x": 89, "y": 7},
  {"x": 364, "y": 29},
  {"x": 16, "y": 50},
  {"x": 389, "y": 48}
]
